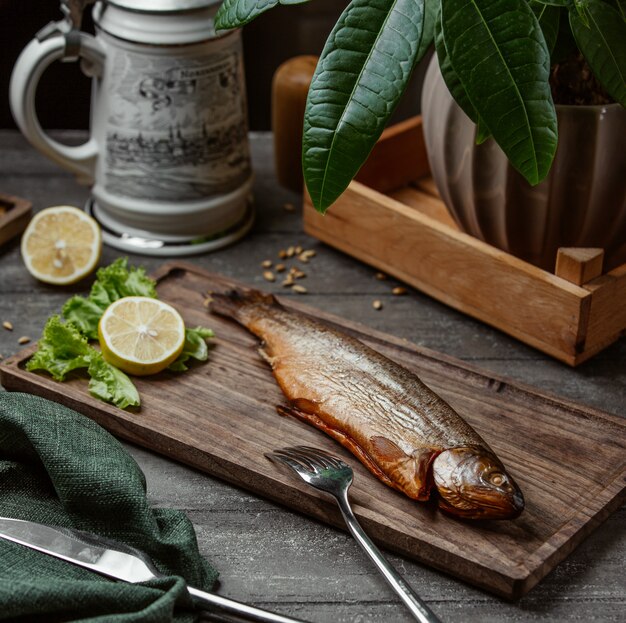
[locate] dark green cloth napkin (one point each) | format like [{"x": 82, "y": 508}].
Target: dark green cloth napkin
[{"x": 60, "y": 468}]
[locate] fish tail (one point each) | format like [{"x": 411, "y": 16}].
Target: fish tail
[{"x": 234, "y": 303}]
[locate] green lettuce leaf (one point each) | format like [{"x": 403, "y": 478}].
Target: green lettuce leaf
[
  {"x": 111, "y": 384},
  {"x": 195, "y": 347},
  {"x": 113, "y": 282},
  {"x": 62, "y": 348}
]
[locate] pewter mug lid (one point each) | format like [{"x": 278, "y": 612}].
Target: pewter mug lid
[{"x": 162, "y": 6}]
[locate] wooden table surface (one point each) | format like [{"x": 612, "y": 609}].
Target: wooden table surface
[{"x": 279, "y": 559}]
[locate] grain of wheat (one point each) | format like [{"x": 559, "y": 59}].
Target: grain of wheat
[
  {"x": 268, "y": 275},
  {"x": 299, "y": 289},
  {"x": 7, "y": 325},
  {"x": 23, "y": 340},
  {"x": 266, "y": 264},
  {"x": 377, "y": 304},
  {"x": 399, "y": 291}
]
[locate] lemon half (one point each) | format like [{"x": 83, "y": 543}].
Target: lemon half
[
  {"x": 61, "y": 245},
  {"x": 141, "y": 335}
]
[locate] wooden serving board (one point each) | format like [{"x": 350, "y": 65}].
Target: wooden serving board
[{"x": 220, "y": 417}]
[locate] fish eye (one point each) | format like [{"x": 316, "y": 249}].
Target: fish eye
[{"x": 496, "y": 479}]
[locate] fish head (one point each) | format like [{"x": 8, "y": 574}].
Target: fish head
[{"x": 472, "y": 483}]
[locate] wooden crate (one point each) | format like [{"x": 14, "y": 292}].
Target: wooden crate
[
  {"x": 393, "y": 219},
  {"x": 15, "y": 213}
]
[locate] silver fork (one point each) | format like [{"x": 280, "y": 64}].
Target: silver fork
[{"x": 330, "y": 474}]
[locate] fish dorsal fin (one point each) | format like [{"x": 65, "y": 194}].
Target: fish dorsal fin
[{"x": 409, "y": 472}]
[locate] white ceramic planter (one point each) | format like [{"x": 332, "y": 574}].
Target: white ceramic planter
[{"x": 582, "y": 202}]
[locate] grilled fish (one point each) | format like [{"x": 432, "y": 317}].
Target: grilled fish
[{"x": 404, "y": 433}]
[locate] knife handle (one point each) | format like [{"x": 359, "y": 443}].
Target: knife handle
[{"x": 244, "y": 611}]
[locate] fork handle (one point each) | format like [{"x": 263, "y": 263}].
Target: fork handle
[
  {"x": 240, "y": 610},
  {"x": 418, "y": 608}
]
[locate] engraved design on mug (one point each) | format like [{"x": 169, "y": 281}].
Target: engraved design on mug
[{"x": 177, "y": 127}]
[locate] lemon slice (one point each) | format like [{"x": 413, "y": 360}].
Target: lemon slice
[
  {"x": 141, "y": 335},
  {"x": 61, "y": 245}
]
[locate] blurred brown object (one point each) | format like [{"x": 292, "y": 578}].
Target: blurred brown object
[
  {"x": 290, "y": 86},
  {"x": 15, "y": 213}
]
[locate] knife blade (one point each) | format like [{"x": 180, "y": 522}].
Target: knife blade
[{"x": 116, "y": 560}]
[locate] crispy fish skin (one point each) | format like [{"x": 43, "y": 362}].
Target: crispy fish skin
[{"x": 379, "y": 410}]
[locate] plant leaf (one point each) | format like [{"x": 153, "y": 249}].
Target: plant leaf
[
  {"x": 113, "y": 282},
  {"x": 557, "y": 3},
  {"x": 431, "y": 12},
  {"x": 449, "y": 76},
  {"x": 498, "y": 51},
  {"x": 236, "y": 13},
  {"x": 603, "y": 44},
  {"x": 195, "y": 347},
  {"x": 110, "y": 384},
  {"x": 362, "y": 72},
  {"x": 548, "y": 17},
  {"x": 60, "y": 350},
  {"x": 454, "y": 84}
]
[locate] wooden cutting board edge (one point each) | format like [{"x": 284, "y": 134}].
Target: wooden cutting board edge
[{"x": 510, "y": 583}]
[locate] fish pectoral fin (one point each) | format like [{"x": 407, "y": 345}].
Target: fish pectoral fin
[
  {"x": 410, "y": 473},
  {"x": 345, "y": 440},
  {"x": 266, "y": 356}
]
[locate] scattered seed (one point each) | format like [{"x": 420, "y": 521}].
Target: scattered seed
[
  {"x": 289, "y": 207},
  {"x": 7, "y": 325},
  {"x": 298, "y": 274},
  {"x": 24, "y": 340},
  {"x": 398, "y": 291},
  {"x": 298, "y": 250},
  {"x": 291, "y": 251},
  {"x": 299, "y": 289},
  {"x": 377, "y": 304},
  {"x": 310, "y": 253},
  {"x": 280, "y": 268},
  {"x": 266, "y": 264},
  {"x": 282, "y": 254},
  {"x": 303, "y": 258},
  {"x": 287, "y": 282},
  {"x": 381, "y": 276},
  {"x": 268, "y": 275}
]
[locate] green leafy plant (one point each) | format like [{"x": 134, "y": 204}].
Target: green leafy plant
[{"x": 495, "y": 57}]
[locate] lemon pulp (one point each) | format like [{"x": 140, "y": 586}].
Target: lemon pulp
[
  {"x": 141, "y": 335},
  {"x": 61, "y": 245}
]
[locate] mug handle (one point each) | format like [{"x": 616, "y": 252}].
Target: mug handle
[{"x": 36, "y": 57}]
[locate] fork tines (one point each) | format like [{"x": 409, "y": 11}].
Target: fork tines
[{"x": 309, "y": 457}]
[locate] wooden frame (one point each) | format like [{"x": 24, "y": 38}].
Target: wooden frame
[{"x": 392, "y": 219}]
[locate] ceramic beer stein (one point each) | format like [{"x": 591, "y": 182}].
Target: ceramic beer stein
[{"x": 168, "y": 156}]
